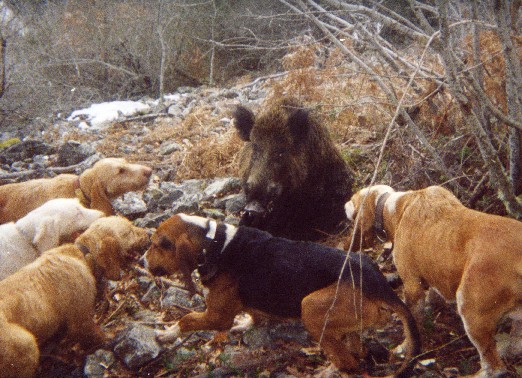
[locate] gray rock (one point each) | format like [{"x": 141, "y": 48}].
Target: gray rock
[
  {"x": 26, "y": 149},
  {"x": 152, "y": 220},
  {"x": 235, "y": 203},
  {"x": 232, "y": 220},
  {"x": 221, "y": 186},
  {"x": 290, "y": 331},
  {"x": 144, "y": 282},
  {"x": 213, "y": 213},
  {"x": 153, "y": 293},
  {"x": 167, "y": 148},
  {"x": 147, "y": 316},
  {"x": 257, "y": 337},
  {"x": 131, "y": 205},
  {"x": 97, "y": 364},
  {"x": 136, "y": 345},
  {"x": 176, "y": 296},
  {"x": 192, "y": 195},
  {"x": 166, "y": 200},
  {"x": 180, "y": 357},
  {"x": 73, "y": 152}
]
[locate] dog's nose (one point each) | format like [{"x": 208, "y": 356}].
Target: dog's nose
[{"x": 147, "y": 172}]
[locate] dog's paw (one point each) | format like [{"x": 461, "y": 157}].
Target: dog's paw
[
  {"x": 242, "y": 323},
  {"x": 168, "y": 335}
]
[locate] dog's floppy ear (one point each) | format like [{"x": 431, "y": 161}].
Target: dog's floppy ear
[
  {"x": 95, "y": 191},
  {"x": 99, "y": 198},
  {"x": 109, "y": 258},
  {"x": 47, "y": 235}
]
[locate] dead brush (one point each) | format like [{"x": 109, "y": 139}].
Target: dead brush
[
  {"x": 211, "y": 157},
  {"x": 302, "y": 79}
]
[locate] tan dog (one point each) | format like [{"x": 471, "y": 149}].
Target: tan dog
[
  {"x": 246, "y": 269},
  {"x": 106, "y": 180},
  {"x": 57, "y": 292},
  {"x": 112, "y": 238},
  {"x": 467, "y": 256}
]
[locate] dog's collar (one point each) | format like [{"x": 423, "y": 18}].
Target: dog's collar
[
  {"x": 209, "y": 257},
  {"x": 83, "y": 248},
  {"x": 79, "y": 193},
  {"x": 378, "y": 223}
]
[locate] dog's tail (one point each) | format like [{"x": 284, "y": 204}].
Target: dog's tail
[{"x": 412, "y": 339}]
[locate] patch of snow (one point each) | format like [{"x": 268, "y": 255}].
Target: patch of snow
[{"x": 99, "y": 115}]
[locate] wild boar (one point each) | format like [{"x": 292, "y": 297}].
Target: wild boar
[{"x": 295, "y": 181}]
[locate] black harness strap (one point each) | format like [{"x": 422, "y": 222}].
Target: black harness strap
[
  {"x": 208, "y": 259},
  {"x": 378, "y": 223}
]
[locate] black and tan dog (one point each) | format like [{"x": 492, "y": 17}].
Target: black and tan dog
[
  {"x": 469, "y": 257},
  {"x": 246, "y": 269}
]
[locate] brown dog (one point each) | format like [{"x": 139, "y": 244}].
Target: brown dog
[
  {"x": 111, "y": 239},
  {"x": 246, "y": 269},
  {"x": 467, "y": 256},
  {"x": 106, "y": 180},
  {"x": 57, "y": 292}
]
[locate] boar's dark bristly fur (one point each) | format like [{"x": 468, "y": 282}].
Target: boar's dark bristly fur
[{"x": 294, "y": 178}]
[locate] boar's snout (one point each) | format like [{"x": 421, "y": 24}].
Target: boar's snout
[
  {"x": 260, "y": 197},
  {"x": 254, "y": 211},
  {"x": 259, "y": 202},
  {"x": 254, "y": 208}
]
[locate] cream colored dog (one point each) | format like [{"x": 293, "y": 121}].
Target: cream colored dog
[
  {"x": 41, "y": 229},
  {"x": 467, "y": 256},
  {"x": 106, "y": 180},
  {"x": 57, "y": 291}
]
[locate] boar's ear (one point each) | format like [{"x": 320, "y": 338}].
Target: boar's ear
[
  {"x": 243, "y": 121},
  {"x": 299, "y": 125}
]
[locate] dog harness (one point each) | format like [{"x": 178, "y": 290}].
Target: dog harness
[{"x": 208, "y": 259}]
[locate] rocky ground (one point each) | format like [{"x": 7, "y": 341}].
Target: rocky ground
[{"x": 167, "y": 138}]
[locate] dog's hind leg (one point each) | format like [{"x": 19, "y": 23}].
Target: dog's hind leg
[
  {"x": 329, "y": 318},
  {"x": 19, "y": 353},
  {"x": 480, "y": 315}
]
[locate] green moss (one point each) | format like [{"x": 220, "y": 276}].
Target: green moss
[{"x": 9, "y": 142}]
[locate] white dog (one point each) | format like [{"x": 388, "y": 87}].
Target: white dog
[{"x": 40, "y": 230}]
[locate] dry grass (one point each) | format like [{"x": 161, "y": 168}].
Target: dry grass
[
  {"x": 212, "y": 157},
  {"x": 355, "y": 110}
]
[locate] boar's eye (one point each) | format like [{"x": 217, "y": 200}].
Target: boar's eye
[
  {"x": 281, "y": 152},
  {"x": 165, "y": 244}
]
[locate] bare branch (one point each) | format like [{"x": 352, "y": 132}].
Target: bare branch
[{"x": 388, "y": 91}]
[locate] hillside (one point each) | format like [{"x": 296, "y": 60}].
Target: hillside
[
  {"x": 189, "y": 142},
  {"x": 395, "y": 118}
]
